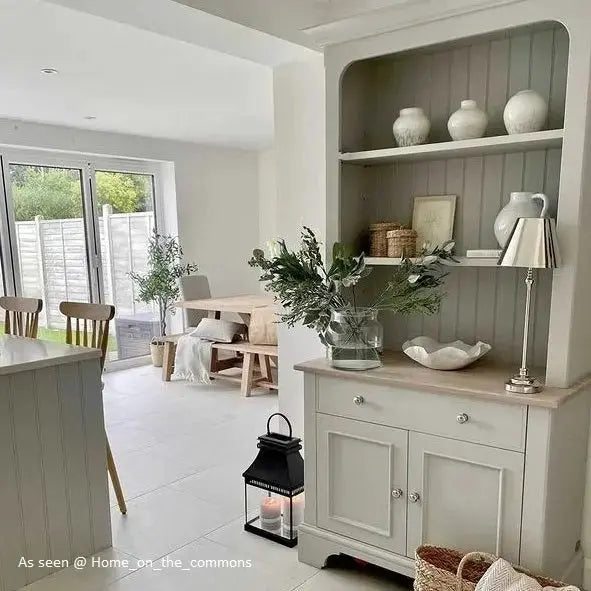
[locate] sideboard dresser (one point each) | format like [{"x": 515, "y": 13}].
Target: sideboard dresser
[{"x": 402, "y": 455}]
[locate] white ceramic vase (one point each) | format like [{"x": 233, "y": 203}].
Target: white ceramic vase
[
  {"x": 522, "y": 204},
  {"x": 525, "y": 112},
  {"x": 412, "y": 127},
  {"x": 468, "y": 122}
]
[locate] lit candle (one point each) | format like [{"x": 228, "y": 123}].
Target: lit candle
[
  {"x": 270, "y": 508},
  {"x": 270, "y": 512},
  {"x": 296, "y": 512}
]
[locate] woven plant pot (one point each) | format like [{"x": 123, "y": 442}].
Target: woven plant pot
[
  {"x": 402, "y": 243},
  {"x": 445, "y": 569},
  {"x": 378, "y": 241}
]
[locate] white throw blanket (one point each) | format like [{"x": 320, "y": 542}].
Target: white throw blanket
[
  {"x": 193, "y": 359},
  {"x": 501, "y": 576}
]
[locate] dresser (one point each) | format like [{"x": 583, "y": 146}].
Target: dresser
[{"x": 402, "y": 455}]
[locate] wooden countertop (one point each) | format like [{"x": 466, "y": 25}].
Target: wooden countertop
[
  {"x": 21, "y": 354},
  {"x": 484, "y": 379}
]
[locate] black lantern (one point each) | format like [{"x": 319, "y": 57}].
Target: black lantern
[{"x": 278, "y": 469}]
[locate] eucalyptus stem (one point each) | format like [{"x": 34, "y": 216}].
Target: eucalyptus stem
[{"x": 310, "y": 292}]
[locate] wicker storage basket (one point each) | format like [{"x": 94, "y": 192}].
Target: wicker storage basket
[
  {"x": 402, "y": 243},
  {"x": 378, "y": 242},
  {"x": 444, "y": 569}
]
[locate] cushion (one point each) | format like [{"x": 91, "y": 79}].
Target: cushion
[
  {"x": 218, "y": 331},
  {"x": 263, "y": 326}
]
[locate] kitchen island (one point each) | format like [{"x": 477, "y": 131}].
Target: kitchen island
[{"x": 54, "y": 501}]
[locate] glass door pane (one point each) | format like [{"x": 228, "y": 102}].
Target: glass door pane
[
  {"x": 50, "y": 235},
  {"x": 125, "y": 205}
]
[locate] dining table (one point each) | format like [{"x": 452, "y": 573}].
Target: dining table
[{"x": 243, "y": 305}]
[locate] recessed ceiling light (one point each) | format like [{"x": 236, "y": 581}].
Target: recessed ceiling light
[
  {"x": 90, "y": 117},
  {"x": 49, "y": 71}
]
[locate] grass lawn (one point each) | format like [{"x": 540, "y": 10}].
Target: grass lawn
[{"x": 58, "y": 335}]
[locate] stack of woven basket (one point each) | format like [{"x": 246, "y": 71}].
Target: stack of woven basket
[{"x": 391, "y": 239}]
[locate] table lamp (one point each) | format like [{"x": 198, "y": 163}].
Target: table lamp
[{"x": 532, "y": 244}]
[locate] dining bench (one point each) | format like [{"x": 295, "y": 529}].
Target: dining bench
[{"x": 247, "y": 357}]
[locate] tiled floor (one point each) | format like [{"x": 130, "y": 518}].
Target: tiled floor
[{"x": 180, "y": 450}]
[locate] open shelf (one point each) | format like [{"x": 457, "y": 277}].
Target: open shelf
[
  {"x": 463, "y": 262},
  {"x": 539, "y": 140}
]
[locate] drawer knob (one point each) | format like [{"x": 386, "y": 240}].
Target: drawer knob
[
  {"x": 397, "y": 493},
  {"x": 462, "y": 418},
  {"x": 358, "y": 400},
  {"x": 414, "y": 497}
]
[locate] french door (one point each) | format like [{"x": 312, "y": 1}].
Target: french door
[{"x": 73, "y": 229}]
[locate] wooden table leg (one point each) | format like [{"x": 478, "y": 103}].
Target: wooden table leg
[
  {"x": 168, "y": 360},
  {"x": 213, "y": 367},
  {"x": 265, "y": 363},
  {"x": 247, "y": 373}
]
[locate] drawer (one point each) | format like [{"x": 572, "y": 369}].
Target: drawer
[{"x": 459, "y": 417}]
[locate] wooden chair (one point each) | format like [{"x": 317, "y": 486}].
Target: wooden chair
[
  {"x": 21, "y": 316},
  {"x": 91, "y": 329}
]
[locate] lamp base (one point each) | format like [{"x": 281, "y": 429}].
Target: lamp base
[{"x": 519, "y": 384}]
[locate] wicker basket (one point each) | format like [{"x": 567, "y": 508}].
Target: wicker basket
[
  {"x": 444, "y": 569},
  {"x": 378, "y": 243},
  {"x": 402, "y": 243}
]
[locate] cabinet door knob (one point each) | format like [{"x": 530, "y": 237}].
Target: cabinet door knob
[
  {"x": 358, "y": 400},
  {"x": 397, "y": 493},
  {"x": 462, "y": 418},
  {"x": 414, "y": 497}
]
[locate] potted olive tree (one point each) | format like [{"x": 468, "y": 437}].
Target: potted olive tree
[{"x": 160, "y": 284}]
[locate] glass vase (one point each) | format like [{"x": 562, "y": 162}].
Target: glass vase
[{"x": 354, "y": 339}]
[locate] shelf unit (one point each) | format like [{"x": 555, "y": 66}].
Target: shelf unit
[
  {"x": 540, "y": 140},
  {"x": 424, "y": 63},
  {"x": 463, "y": 262},
  {"x": 376, "y": 182}
]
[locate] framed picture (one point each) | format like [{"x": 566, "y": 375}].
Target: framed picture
[{"x": 433, "y": 219}]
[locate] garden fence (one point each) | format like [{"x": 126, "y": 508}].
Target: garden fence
[{"x": 54, "y": 267}]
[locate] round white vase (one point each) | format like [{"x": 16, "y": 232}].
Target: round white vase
[
  {"x": 412, "y": 127},
  {"x": 468, "y": 122},
  {"x": 525, "y": 112},
  {"x": 522, "y": 204}
]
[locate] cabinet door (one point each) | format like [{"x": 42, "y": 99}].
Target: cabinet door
[
  {"x": 469, "y": 496},
  {"x": 361, "y": 485}
]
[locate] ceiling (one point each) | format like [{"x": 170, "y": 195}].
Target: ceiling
[{"x": 139, "y": 80}]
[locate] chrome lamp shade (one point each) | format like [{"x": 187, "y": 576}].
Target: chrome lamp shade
[{"x": 532, "y": 244}]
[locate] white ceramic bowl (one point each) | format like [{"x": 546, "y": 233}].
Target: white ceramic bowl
[{"x": 445, "y": 356}]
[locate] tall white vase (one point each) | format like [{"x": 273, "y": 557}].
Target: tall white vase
[
  {"x": 525, "y": 112},
  {"x": 522, "y": 204},
  {"x": 412, "y": 127},
  {"x": 468, "y": 122}
]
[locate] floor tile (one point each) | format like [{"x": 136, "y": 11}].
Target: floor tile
[
  {"x": 161, "y": 521},
  {"x": 93, "y": 577},
  {"x": 232, "y": 535},
  {"x": 228, "y": 573},
  {"x": 222, "y": 485},
  {"x": 336, "y": 579}
]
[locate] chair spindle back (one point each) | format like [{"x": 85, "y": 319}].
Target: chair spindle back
[
  {"x": 21, "y": 316},
  {"x": 88, "y": 325}
]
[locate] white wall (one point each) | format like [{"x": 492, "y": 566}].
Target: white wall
[
  {"x": 301, "y": 200},
  {"x": 210, "y": 194},
  {"x": 267, "y": 196}
]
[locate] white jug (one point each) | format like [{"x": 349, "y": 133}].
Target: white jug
[{"x": 522, "y": 204}]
